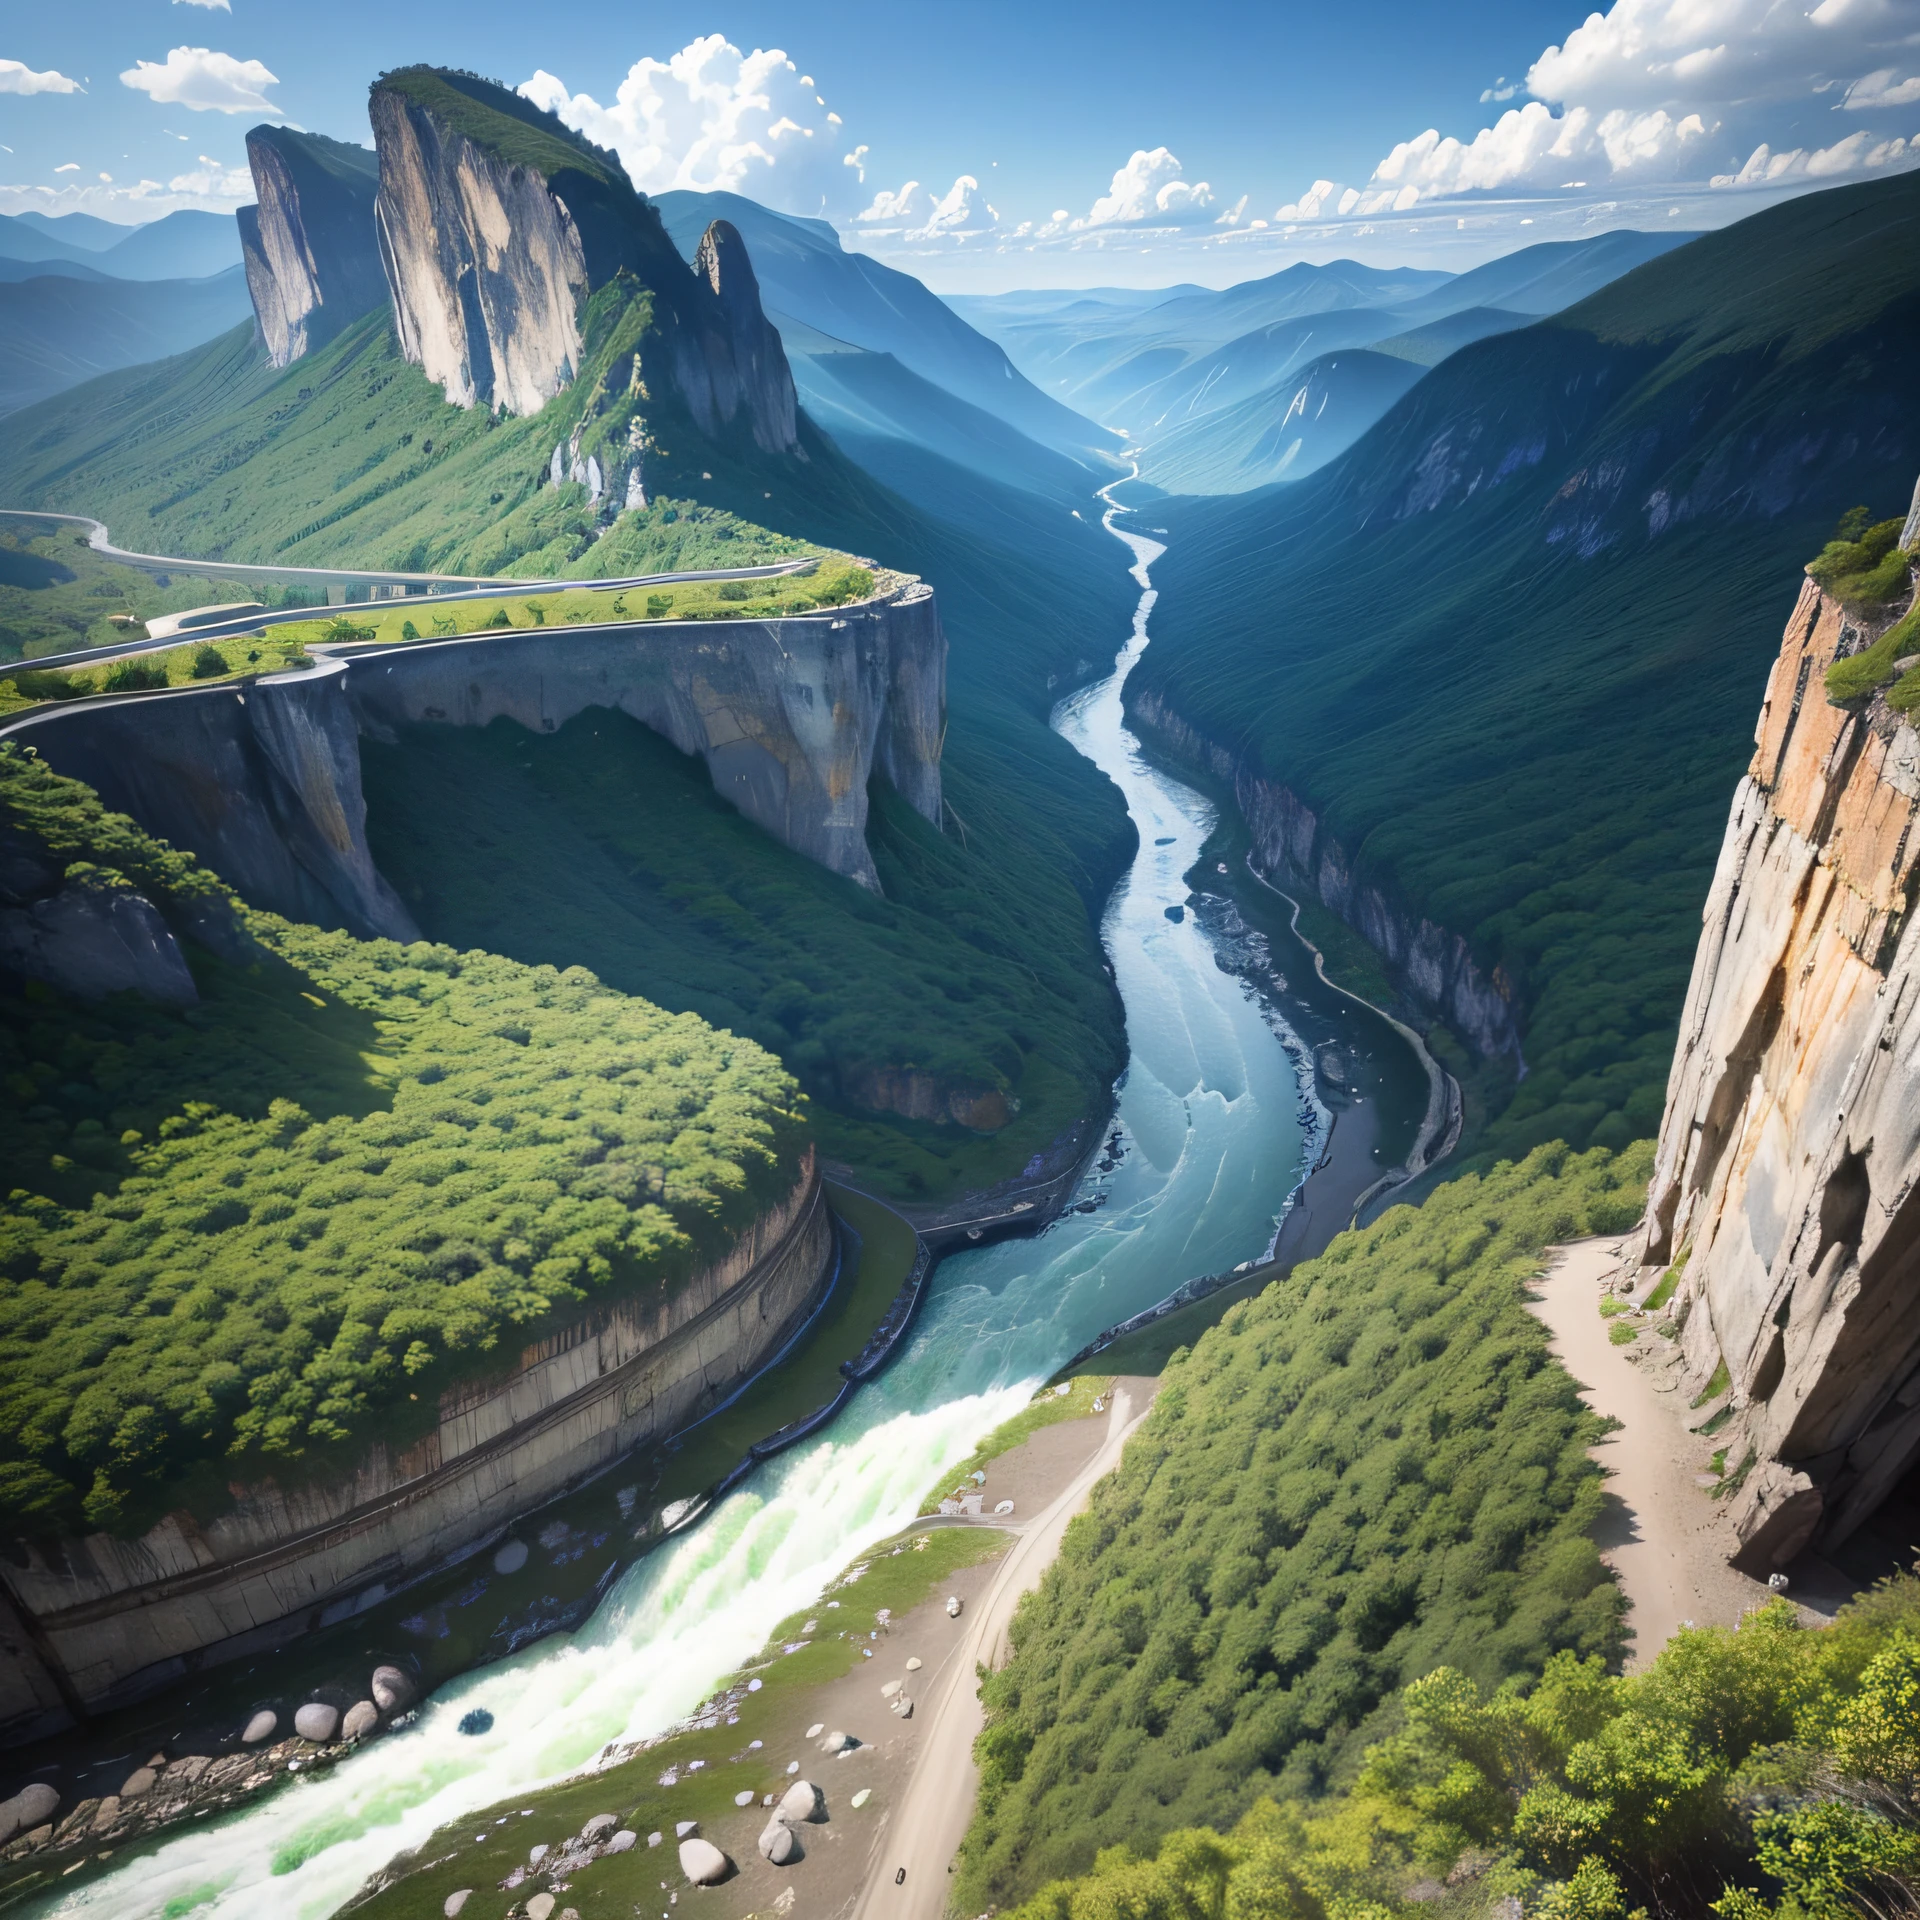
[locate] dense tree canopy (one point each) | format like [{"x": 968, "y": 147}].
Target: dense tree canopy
[
  {"x": 354, "y": 1171},
  {"x": 1372, "y": 1469}
]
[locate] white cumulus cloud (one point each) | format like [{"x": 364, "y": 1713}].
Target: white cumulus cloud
[
  {"x": 225, "y": 6},
  {"x": 961, "y": 213},
  {"x": 890, "y": 205},
  {"x": 713, "y": 119},
  {"x": 204, "y": 82},
  {"x": 17, "y": 77},
  {"x": 1151, "y": 190},
  {"x": 1670, "y": 90}
]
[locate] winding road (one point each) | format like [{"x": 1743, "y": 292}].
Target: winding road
[
  {"x": 444, "y": 588},
  {"x": 925, "y": 1834}
]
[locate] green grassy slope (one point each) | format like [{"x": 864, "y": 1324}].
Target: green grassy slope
[
  {"x": 1511, "y": 645},
  {"x": 1370, "y": 1469},
  {"x": 251, "y": 1234},
  {"x": 351, "y": 455}
]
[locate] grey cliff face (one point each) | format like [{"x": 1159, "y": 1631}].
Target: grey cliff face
[
  {"x": 1788, "y": 1169},
  {"x": 262, "y": 784},
  {"x": 85, "y": 933},
  {"x": 791, "y": 716},
  {"x": 490, "y": 262},
  {"x": 311, "y": 259},
  {"x": 484, "y": 262},
  {"x": 1291, "y": 846}
]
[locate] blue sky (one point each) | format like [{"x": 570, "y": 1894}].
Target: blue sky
[{"x": 1016, "y": 144}]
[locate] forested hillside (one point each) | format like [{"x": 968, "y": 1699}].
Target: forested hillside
[
  {"x": 1372, "y": 1469},
  {"x": 1509, "y": 647},
  {"x": 351, "y": 455},
  {"x": 256, "y": 1231}
]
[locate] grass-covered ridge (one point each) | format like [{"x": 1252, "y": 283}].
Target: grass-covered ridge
[
  {"x": 1372, "y": 1469},
  {"x": 1764, "y": 1772},
  {"x": 262, "y": 1228},
  {"x": 503, "y": 123}
]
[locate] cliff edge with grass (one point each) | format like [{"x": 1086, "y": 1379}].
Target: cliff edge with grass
[{"x": 1783, "y": 1203}]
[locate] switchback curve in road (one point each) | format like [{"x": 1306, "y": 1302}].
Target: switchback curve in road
[{"x": 925, "y": 1831}]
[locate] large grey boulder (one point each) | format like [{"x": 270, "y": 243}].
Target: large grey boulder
[
  {"x": 778, "y": 1845},
  {"x": 316, "y": 1721},
  {"x": 363, "y": 1718},
  {"x": 599, "y": 1827},
  {"x": 702, "y": 1862},
  {"x": 261, "y": 1727},
  {"x": 27, "y": 1809},
  {"x": 801, "y": 1802}
]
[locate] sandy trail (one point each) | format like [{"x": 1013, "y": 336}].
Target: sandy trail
[
  {"x": 1664, "y": 1536},
  {"x": 926, "y": 1832}
]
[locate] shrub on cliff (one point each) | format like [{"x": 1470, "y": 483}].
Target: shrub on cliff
[
  {"x": 356, "y": 1171},
  {"x": 1748, "y": 1766},
  {"x": 1863, "y": 567},
  {"x": 1371, "y": 1470}
]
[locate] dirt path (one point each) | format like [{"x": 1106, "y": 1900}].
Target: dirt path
[
  {"x": 1663, "y": 1534},
  {"x": 925, "y": 1833}
]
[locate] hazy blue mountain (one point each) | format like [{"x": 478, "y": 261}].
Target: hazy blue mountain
[
  {"x": 33, "y": 269},
  {"x": 77, "y": 229},
  {"x": 1552, "y": 275},
  {"x": 58, "y": 329},
  {"x": 1428, "y": 345},
  {"x": 1283, "y": 432},
  {"x": 873, "y": 406},
  {"x": 184, "y": 246},
  {"x": 22, "y": 238},
  {"x": 806, "y": 274}
]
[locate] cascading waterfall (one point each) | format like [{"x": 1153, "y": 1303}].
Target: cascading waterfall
[{"x": 1210, "y": 1111}]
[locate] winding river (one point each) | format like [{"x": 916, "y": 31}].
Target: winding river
[{"x": 1216, "y": 1133}]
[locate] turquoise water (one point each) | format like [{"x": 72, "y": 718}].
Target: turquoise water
[{"x": 1215, "y": 1133}]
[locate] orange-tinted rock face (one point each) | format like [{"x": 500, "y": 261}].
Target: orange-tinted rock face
[{"x": 1791, "y": 1143}]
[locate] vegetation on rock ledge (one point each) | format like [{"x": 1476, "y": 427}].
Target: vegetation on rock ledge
[{"x": 263, "y": 1225}]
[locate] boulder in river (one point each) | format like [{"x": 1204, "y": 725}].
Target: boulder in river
[
  {"x": 138, "y": 1784},
  {"x": 778, "y": 1845},
  {"x": 262, "y": 1726},
  {"x": 28, "y": 1808},
  {"x": 511, "y": 1558},
  {"x": 802, "y": 1801},
  {"x": 703, "y": 1863},
  {"x": 363, "y": 1718},
  {"x": 391, "y": 1687},
  {"x": 316, "y": 1721}
]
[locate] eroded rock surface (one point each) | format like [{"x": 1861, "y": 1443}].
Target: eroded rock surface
[
  {"x": 1790, "y": 1148},
  {"x": 312, "y": 262}
]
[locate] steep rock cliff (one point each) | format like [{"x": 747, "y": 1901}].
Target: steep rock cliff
[
  {"x": 1431, "y": 965},
  {"x": 497, "y": 225},
  {"x": 1790, "y": 1147},
  {"x": 311, "y": 258},
  {"x": 263, "y": 784}
]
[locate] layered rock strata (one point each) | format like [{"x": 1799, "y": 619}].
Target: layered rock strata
[
  {"x": 115, "y": 1618},
  {"x": 1785, "y": 1184},
  {"x": 312, "y": 262},
  {"x": 1433, "y": 966}
]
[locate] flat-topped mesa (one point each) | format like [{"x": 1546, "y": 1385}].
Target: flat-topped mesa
[
  {"x": 313, "y": 264},
  {"x": 498, "y": 224},
  {"x": 1787, "y": 1183}
]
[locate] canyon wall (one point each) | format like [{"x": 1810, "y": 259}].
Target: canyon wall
[
  {"x": 1431, "y": 965},
  {"x": 311, "y": 258},
  {"x": 110, "y": 1619},
  {"x": 1785, "y": 1183},
  {"x": 263, "y": 782}
]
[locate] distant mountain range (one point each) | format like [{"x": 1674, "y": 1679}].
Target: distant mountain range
[
  {"x": 1225, "y": 391},
  {"x": 80, "y": 296}
]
